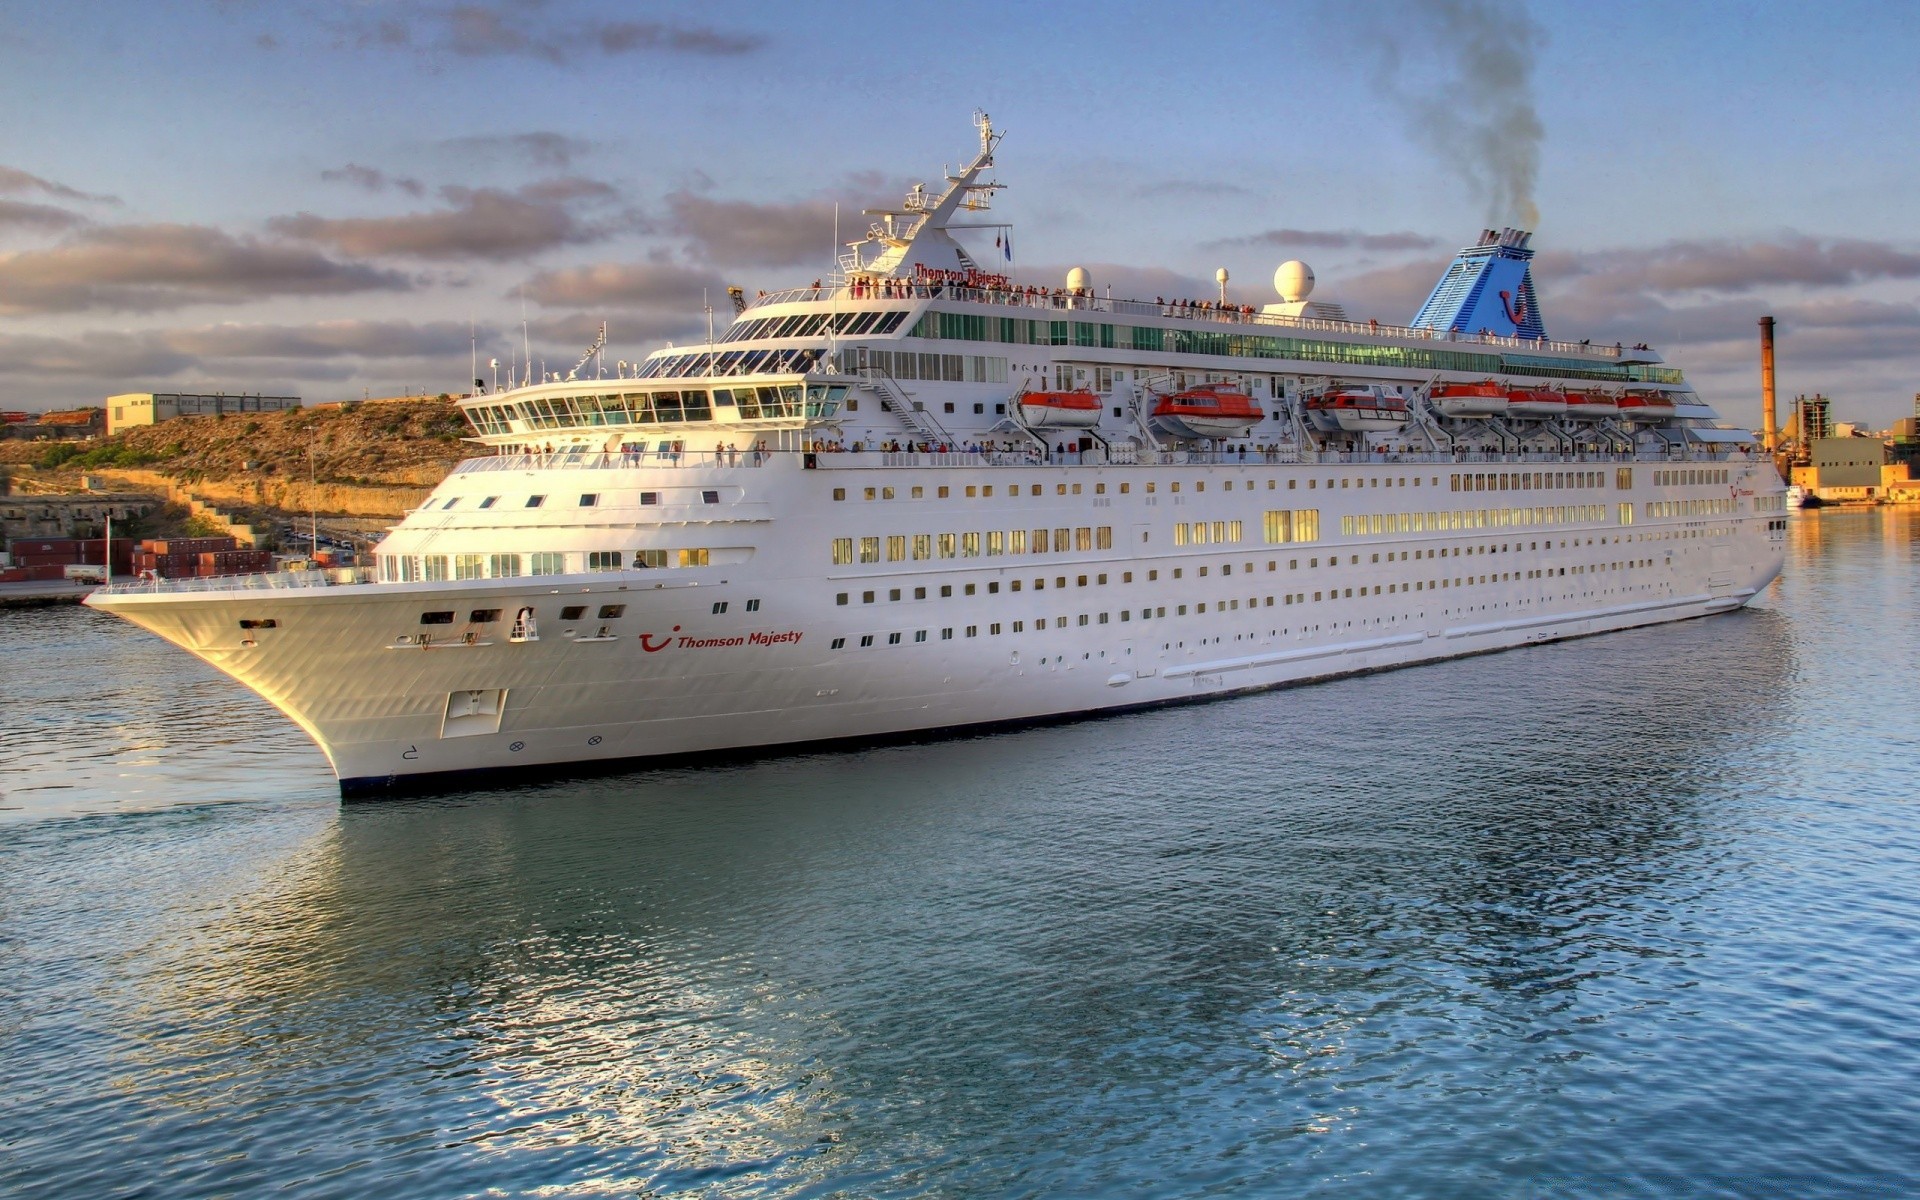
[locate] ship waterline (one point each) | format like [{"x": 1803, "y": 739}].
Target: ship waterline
[{"x": 859, "y": 514}]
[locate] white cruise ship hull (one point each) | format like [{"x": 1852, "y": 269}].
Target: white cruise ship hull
[{"x": 672, "y": 676}]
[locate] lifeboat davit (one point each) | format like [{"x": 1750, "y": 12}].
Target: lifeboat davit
[
  {"x": 1209, "y": 411},
  {"x": 1486, "y": 399},
  {"x": 1592, "y": 406},
  {"x": 1059, "y": 410},
  {"x": 1357, "y": 409},
  {"x": 1536, "y": 403},
  {"x": 1645, "y": 404}
]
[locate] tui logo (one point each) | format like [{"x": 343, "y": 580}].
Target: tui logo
[
  {"x": 1517, "y": 313},
  {"x": 646, "y": 642}
]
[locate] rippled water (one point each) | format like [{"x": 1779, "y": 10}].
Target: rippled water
[{"x": 1634, "y": 916}]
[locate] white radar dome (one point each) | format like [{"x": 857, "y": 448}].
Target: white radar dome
[
  {"x": 1294, "y": 281},
  {"x": 1078, "y": 279}
]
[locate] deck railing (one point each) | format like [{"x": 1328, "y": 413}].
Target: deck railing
[
  {"x": 829, "y": 457},
  {"x": 1065, "y": 305},
  {"x": 265, "y": 581}
]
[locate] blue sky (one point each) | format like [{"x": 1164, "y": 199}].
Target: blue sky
[{"x": 320, "y": 198}]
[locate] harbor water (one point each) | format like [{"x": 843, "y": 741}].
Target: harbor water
[{"x": 1635, "y": 915}]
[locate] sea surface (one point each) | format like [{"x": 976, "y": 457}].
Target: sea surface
[{"x": 1637, "y": 915}]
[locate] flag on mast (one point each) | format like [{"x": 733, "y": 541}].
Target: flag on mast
[{"x": 1009, "y": 246}]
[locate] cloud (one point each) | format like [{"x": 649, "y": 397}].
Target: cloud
[
  {"x": 323, "y": 339},
  {"x": 1193, "y": 189},
  {"x": 1329, "y": 239},
  {"x": 542, "y": 149},
  {"x": 373, "y": 179},
  {"x": 15, "y": 182},
  {"x": 741, "y": 232},
  {"x": 150, "y": 267},
  {"x": 483, "y": 223},
  {"x": 531, "y": 30},
  {"x": 625, "y": 285},
  {"x": 1729, "y": 266},
  {"x": 22, "y": 214}
]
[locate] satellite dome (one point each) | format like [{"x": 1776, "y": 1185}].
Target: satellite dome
[
  {"x": 1294, "y": 281},
  {"x": 1078, "y": 279}
]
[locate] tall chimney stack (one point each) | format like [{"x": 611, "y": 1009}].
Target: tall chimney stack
[{"x": 1767, "y": 419}]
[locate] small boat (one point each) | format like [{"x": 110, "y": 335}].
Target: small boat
[
  {"x": 1538, "y": 403},
  {"x": 1592, "y": 406},
  {"x": 1368, "y": 408},
  {"x": 1796, "y": 496},
  {"x": 1209, "y": 411},
  {"x": 1645, "y": 404},
  {"x": 1059, "y": 410},
  {"x": 1486, "y": 399}
]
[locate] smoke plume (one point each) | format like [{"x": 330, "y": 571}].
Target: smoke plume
[{"x": 1462, "y": 73}]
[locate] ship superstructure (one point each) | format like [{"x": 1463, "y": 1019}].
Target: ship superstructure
[{"x": 920, "y": 495}]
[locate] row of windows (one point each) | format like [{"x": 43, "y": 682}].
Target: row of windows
[
  {"x": 1375, "y": 524},
  {"x": 1691, "y": 475},
  {"x": 951, "y": 368},
  {"x": 1691, "y": 508},
  {"x": 1533, "y": 481},
  {"x": 1202, "y": 533},
  {"x": 587, "y": 500},
  {"x": 1161, "y": 339},
  {"x": 985, "y": 490},
  {"x": 874, "y": 324},
  {"x": 766, "y": 402},
  {"x": 1291, "y": 525},
  {"x": 1253, "y": 602},
  {"x": 925, "y": 546},
  {"x": 437, "y": 568}
]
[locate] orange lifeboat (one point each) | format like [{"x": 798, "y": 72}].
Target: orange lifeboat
[
  {"x": 1537, "y": 403},
  {"x": 1059, "y": 410},
  {"x": 1484, "y": 399},
  {"x": 1645, "y": 404},
  {"x": 1210, "y": 411},
  {"x": 1367, "y": 408},
  {"x": 1592, "y": 406}
]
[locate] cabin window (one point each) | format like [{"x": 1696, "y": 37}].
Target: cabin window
[
  {"x": 535, "y": 501},
  {"x": 604, "y": 560},
  {"x": 436, "y": 618},
  {"x": 488, "y": 502},
  {"x": 589, "y": 499}
]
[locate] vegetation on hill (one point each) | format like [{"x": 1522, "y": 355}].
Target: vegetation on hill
[{"x": 392, "y": 442}]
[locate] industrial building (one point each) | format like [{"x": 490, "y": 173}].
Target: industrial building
[
  {"x": 1850, "y": 468},
  {"x": 151, "y": 408}
]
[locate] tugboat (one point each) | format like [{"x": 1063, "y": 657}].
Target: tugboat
[
  {"x": 1357, "y": 408},
  {"x": 1059, "y": 410},
  {"x": 1209, "y": 411}
]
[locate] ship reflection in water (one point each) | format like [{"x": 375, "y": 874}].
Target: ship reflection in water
[{"x": 1615, "y": 916}]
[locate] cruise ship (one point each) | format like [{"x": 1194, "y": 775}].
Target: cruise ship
[{"x": 918, "y": 496}]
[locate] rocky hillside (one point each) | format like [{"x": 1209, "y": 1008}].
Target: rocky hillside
[{"x": 396, "y": 442}]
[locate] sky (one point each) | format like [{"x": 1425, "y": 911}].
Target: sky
[{"x": 343, "y": 199}]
